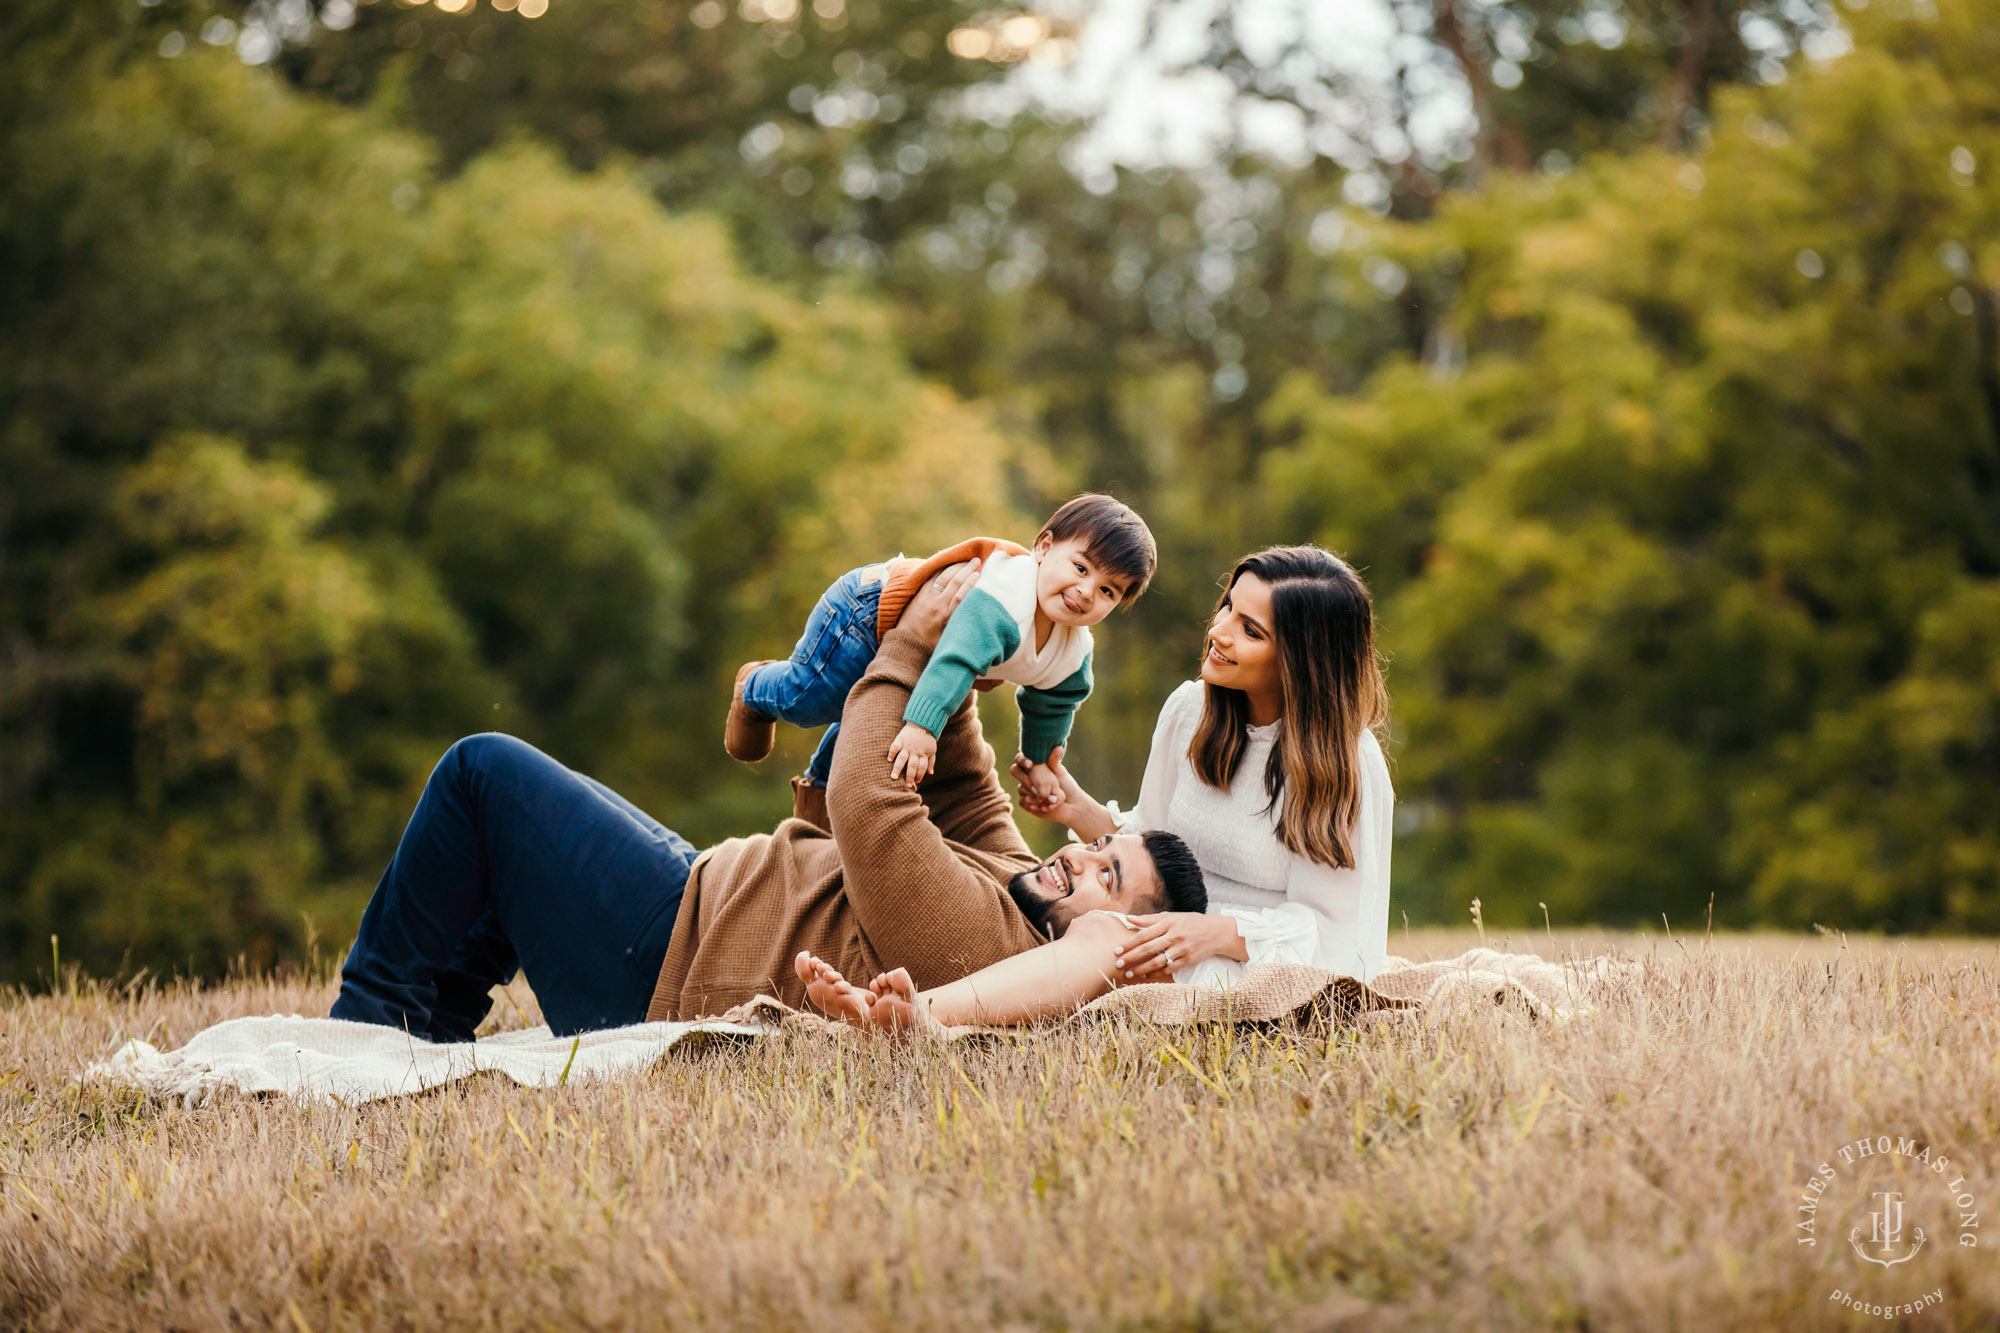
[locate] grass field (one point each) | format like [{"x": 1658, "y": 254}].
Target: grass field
[{"x": 1641, "y": 1167}]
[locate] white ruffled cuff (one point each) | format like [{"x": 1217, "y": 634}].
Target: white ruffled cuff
[
  {"x": 1122, "y": 820},
  {"x": 1221, "y": 973},
  {"x": 1283, "y": 934}
]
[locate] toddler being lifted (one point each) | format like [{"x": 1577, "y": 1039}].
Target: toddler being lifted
[{"x": 1026, "y": 620}]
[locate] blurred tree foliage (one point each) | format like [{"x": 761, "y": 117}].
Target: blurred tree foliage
[
  {"x": 1691, "y": 555},
  {"x": 496, "y": 371},
  {"x": 1133, "y": 320},
  {"x": 316, "y": 460},
  {"x": 1545, "y": 80}
]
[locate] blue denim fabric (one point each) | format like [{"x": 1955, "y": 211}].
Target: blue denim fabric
[
  {"x": 512, "y": 860},
  {"x": 839, "y": 642}
]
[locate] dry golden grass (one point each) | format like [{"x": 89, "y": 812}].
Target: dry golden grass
[{"x": 1634, "y": 1169}]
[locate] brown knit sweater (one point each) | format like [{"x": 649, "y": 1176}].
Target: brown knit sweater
[{"x": 914, "y": 879}]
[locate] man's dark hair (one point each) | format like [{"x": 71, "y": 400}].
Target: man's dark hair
[
  {"x": 1113, "y": 536},
  {"x": 1181, "y": 883}
]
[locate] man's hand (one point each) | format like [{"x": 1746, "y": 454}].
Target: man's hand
[
  {"x": 912, "y": 755},
  {"x": 933, "y": 603},
  {"x": 1169, "y": 941}
]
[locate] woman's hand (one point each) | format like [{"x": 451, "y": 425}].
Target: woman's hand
[
  {"x": 1169, "y": 941},
  {"x": 1039, "y": 785},
  {"x": 936, "y": 600},
  {"x": 1071, "y": 806}
]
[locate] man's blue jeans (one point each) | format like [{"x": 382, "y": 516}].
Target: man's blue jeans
[
  {"x": 512, "y": 860},
  {"x": 810, "y": 688}
]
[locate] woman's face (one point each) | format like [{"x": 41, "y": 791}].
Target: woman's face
[{"x": 1241, "y": 653}]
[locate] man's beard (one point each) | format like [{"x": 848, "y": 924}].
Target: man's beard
[{"x": 1046, "y": 912}]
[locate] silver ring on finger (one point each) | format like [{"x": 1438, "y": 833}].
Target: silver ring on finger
[{"x": 1170, "y": 958}]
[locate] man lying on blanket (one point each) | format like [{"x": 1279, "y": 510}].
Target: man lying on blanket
[{"x": 512, "y": 860}]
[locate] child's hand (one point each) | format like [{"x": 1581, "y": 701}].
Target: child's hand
[
  {"x": 1040, "y": 787},
  {"x": 912, "y": 754}
]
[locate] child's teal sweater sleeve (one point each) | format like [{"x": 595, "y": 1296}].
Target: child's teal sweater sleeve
[
  {"x": 1046, "y": 714},
  {"x": 979, "y": 634}
]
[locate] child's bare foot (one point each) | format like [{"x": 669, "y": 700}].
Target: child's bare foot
[
  {"x": 832, "y": 993},
  {"x": 897, "y": 1006}
]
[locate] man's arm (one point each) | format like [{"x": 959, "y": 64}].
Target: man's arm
[
  {"x": 962, "y": 801},
  {"x": 979, "y": 634},
  {"x": 918, "y": 900},
  {"x": 968, "y": 804},
  {"x": 1049, "y": 982}
]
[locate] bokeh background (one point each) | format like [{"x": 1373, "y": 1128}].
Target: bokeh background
[{"x": 375, "y": 373}]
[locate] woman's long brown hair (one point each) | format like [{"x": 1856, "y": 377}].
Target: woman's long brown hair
[{"x": 1324, "y": 629}]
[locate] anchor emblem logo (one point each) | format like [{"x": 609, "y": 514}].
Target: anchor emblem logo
[{"x": 1887, "y": 1232}]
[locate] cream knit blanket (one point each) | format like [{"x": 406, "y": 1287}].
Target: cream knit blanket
[{"x": 329, "y": 1059}]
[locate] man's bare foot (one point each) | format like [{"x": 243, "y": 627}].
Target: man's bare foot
[
  {"x": 834, "y": 994},
  {"x": 897, "y": 1006}
]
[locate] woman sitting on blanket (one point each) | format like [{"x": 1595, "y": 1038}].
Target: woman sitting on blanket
[{"x": 1268, "y": 768}]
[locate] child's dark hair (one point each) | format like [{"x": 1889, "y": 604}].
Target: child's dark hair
[
  {"x": 1113, "y": 536},
  {"x": 1182, "y": 888}
]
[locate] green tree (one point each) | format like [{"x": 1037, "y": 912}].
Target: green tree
[
  {"x": 1690, "y": 569},
  {"x": 237, "y": 721},
  {"x": 317, "y": 459}
]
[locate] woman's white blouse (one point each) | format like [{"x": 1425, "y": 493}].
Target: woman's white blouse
[{"x": 1289, "y": 909}]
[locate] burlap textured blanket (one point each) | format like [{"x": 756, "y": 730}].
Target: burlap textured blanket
[
  {"x": 327, "y": 1059},
  {"x": 1284, "y": 993},
  {"x": 1287, "y": 994}
]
